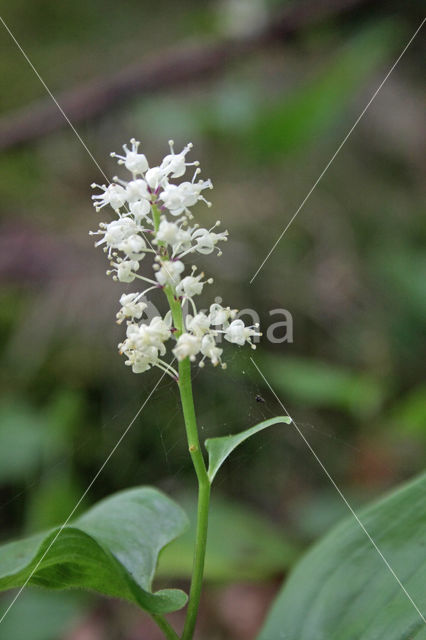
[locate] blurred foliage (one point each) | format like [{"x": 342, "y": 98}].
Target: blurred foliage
[
  {"x": 350, "y": 269},
  {"x": 319, "y": 384},
  {"x": 42, "y": 615}
]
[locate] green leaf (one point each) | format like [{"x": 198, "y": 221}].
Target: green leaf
[
  {"x": 342, "y": 589},
  {"x": 255, "y": 549},
  {"x": 111, "y": 549},
  {"x": 220, "y": 448}
]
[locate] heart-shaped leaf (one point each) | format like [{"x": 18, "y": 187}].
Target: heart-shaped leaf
[
  {"x": 220, "y": 448},
  {"x": 343, "y": 590},
  {"x": 111, "y": 549}
]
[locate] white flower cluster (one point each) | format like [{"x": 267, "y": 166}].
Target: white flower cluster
[{"x": 142, "y": 226}]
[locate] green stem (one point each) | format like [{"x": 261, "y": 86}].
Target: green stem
[
  {"x": 155, "y": 217},
  {"x": 185, "y": 388},
  {"x": 168, "y": 631},
  {"x": 187, "y": 400}
]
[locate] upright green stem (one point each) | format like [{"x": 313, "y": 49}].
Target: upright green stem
[{"x": 185, "y": 389}]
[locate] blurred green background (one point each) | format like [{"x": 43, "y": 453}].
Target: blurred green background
[{"x": 351, "y": 270}]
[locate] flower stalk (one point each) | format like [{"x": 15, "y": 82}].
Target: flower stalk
[
  {"x": 187, "y": 401},
  {"x": 185, "y": 388},
  {"x": 143, "y": 226}
]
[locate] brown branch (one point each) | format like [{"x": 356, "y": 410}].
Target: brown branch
[{"x": 172, "y": 68}]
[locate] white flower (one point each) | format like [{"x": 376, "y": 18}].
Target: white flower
[
  {"x": 134, "y": 247},
  {"x": 221, "y": 315},
  {"x": 175, "y": 164},
  {"x": 205, "y": 241},
  {"x": 114, "y": 195},
  {"x": 177, "y": 198},
  {"x": 210, "y": 350},
  {"x": 187, "y": 346},
  {"x": 126, "y": 270},
  {"x": 155, "y": 178},
  {"x": 147, "y": 339},
  {"x": 117, "y": 235},
  {"x": 173, "y": 235},
  {"x": 191, "y": 286},
  {"x": 173, "y": 199},
  {"x": 198, "y": 324},
  {"x": 140, "y": 209},
  {"x": 139, "y": 362},
  {"x": 168, "y": 232},
  {"x": 238, "y": 333},
  {"x": 159, "y": 329},
  {"x": 169, "y": 272},
  {"x": 137, "y": 190},
  {"x": 118, "y": 230},
  {"x": 130, "y": 308},
  {"x": 132, "y": 160},
  {"x": 145, "y": 343}
]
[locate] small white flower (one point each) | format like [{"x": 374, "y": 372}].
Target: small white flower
[
  {"x": 155, "y": 178},
  {"x": 130, "y": 308},
  {"x": 238, "y": 333},
  {"x": 126, "y": 270},
  {"x": 205, "y": 241},
  {"x": 210, "y": 350},
  {"x": 116, "y": 233},
  {"x": 191, "y": 192},
  {"x": 138, "y": 362},
  {"x": 159, "y": 329},
  {"x": 190, "y": 286},
  {"x": 118, "y": 230},
  {"x": 168, "y": 232},
  {"x": 221, "y": 315},
  {"x": 134, "y": 247},
  {"x": 175, "y": 164},
  {"x": 137, "y": 190},
  {"x": 140, "y": 209},
  {"x": 173, "y": 235},
  {"x": 114, "y": 195},
  {"x": 177, "y": 198},
  {"x": 135, "y": 162},
  {"x": 145, "y": 343},
  {"x": 187, "y": 346},
  {"x": 198, "y": 324},
  {"x": 169, "y": 272},
  {"x": 173, "y": 199}
]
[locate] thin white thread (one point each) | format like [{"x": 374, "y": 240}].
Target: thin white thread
[
  {"x": 341, "y": 495},
  {"x": 92, "y": 482},
  {"x": 339, "y": 148}
]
